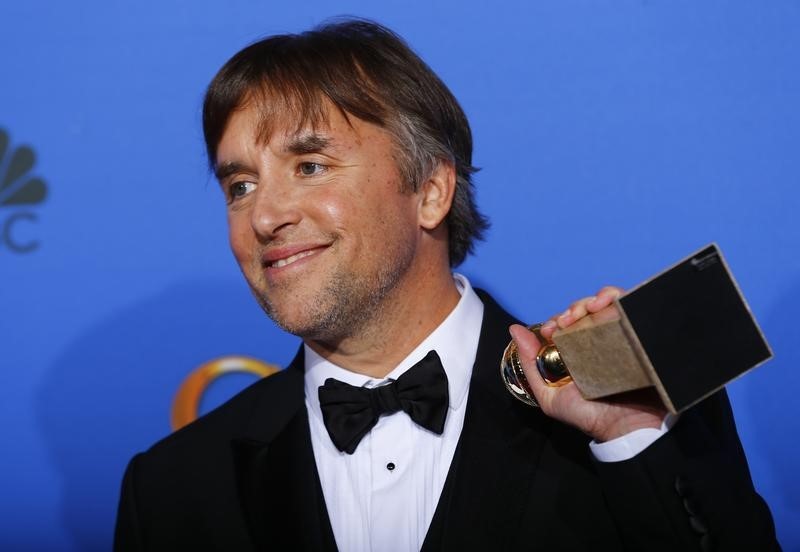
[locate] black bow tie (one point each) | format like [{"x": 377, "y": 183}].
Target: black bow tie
[{"x": 351, "y": 412}]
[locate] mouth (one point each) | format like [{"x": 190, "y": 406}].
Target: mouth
[
  {"x": 289, "y": 260},
  {"x": 284, "y": 257}
]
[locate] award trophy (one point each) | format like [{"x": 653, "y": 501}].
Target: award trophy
[{"x": 686, "y": 332}]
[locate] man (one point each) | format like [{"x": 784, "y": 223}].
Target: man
[{"x": 345, "y": 163}]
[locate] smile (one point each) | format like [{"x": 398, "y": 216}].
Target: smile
[{"x": 292, "y": 258}]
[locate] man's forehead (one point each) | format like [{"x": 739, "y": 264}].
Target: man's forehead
[
  {"x": 286, "y": 127},
  {"x": 286, "y": 117},
  {"x": 292, "y": 131}
]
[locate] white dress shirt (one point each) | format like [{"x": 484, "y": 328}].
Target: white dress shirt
[{"x": 382, "y": 497}]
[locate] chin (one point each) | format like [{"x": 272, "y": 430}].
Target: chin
[{"x": 296, "y": 318}]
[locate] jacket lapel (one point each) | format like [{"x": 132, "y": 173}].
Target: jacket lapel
[
  {"x": 492, "y": 471},
  {"x": 277, "y": 480}
]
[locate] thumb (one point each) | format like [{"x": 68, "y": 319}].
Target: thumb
[
  {"x": 527, "y": 344},
  {"x": 528, "y": 347}
]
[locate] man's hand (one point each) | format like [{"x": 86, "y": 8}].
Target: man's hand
[{"x": 602, "y": 420}]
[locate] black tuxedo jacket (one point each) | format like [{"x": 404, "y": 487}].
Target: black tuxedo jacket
[{"x": 243, "y": 478}]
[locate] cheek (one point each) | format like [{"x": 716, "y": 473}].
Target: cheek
[
  {"x": 334, "y": 210},
  {"x": 341, "y": 212},
  {"x": 366, "y": 209},
  {"x": 240, "y": 237}
]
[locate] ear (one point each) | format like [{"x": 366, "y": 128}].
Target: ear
[{"x": 436, "y": 195}]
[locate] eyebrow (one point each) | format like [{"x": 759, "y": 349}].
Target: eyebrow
[
  {"x": 308, "y": 143},
  {"x": 228, "y": 168}
]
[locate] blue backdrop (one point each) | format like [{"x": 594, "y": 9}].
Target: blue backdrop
[{"x": 615, "y": 137}]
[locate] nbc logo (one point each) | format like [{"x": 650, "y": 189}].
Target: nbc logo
[{"x": 19, "y": 191}]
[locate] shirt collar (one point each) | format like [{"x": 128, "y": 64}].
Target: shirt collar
[{"x": 455, "y": 340}]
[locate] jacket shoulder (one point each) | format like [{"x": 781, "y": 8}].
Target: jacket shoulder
[{"x": 257, "y": 412}]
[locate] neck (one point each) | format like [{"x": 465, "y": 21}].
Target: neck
[{"x": 405, "y": 318}]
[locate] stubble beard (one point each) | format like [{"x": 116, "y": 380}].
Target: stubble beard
[{"x": 346, "y": 306}]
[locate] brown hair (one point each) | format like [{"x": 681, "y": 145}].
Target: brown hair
[{"x": 367, "y": 71}]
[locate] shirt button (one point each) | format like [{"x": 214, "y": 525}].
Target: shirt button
[{"x": 390, "y": 466}]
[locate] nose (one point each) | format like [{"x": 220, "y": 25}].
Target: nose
[{"x": 275, "y": 209}]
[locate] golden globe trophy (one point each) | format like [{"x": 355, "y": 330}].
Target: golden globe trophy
[{"x": 686, "y": 332}]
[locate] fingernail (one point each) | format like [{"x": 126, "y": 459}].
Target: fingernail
[
  {"x": 563, "y": 315},
  {"x": 548, "y": 325}
]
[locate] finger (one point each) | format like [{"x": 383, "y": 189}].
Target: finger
[
  {"x": 548, "y": 329},
  {"x": 526, "y": 340},
  {"x": 575, "y": 312},
  {"x": 604, "y": 298}
]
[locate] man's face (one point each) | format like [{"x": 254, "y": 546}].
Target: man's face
[{"x": 317, "y": 220}]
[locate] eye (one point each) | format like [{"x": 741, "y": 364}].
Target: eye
[
  {"x": 240, "y": 189},
  {"x": 309, "y": 168}
]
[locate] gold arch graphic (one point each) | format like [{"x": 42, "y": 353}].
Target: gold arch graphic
[{"x": 186, "y": 403}]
